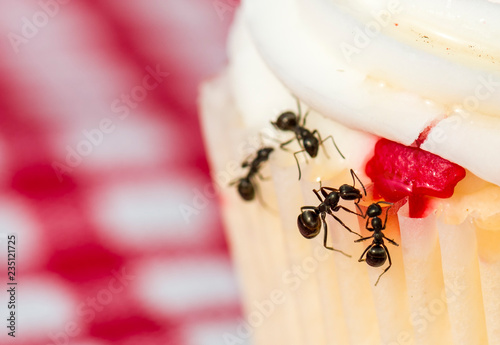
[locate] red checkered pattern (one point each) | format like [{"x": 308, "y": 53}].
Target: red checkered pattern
[{"x": 100, "y": 157}]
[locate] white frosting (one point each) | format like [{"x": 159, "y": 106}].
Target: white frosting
[
  {"x": 392, "y": 68},
  {"x": 260, "y": 97}
]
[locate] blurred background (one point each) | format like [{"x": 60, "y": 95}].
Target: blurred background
[{"x": 104, "y": 177}]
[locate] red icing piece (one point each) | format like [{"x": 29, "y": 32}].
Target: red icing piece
[{"x": 398, "y": 171}]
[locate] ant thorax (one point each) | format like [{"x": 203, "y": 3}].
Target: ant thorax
[
  {"x": 377, "y": 223},
  {"x": 332, "y": 199},
  {"x": 378, "y": 236},
  {"x": 303, "y": 132},
  {"x": 323, "y": 207}
]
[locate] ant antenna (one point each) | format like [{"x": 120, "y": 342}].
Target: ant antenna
[
  {"x": 298, "y": 108},
  {"x": 318, "y": 179},
  {"x": 353, "y": 174}
]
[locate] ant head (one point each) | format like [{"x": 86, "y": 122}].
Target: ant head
[
  {"x": 264, "y": 153},
  {"x": 246, "y": 189},
  {"x": 287, "y": 121},
  {"x": 374, "y": 210}
]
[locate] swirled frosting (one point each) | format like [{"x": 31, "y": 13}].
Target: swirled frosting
[{"x": 416, "y": 72}]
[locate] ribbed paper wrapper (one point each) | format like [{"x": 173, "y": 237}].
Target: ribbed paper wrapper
[{"x": 443, "y": 286}]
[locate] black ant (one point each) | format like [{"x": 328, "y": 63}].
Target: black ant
[
  {"x": 377, "y": 253},
  {"x": 289, "y": 121},
  {"x": 308, "y": 221},
  {"x": 247, "y": 187},
  {"x": 348, "y": 192}
]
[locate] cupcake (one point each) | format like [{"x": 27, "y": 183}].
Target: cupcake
[{"x": 410, "y": 92}]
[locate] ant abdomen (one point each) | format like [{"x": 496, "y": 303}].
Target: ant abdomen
[
  {"x": 309, "y": 224},
  {"x": 246, "y": 189},
  {"x": 376, "y": 256},
  {"x": 311, "y": 145}
]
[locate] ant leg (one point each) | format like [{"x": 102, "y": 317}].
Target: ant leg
[
  {"x": 353, "y": 174},
  {"x": 391, "y": 241},
  {"x": 246, "y": 161},
  {"x": 390, "y": 263},
  {"x": 321, "y": 189},
  {"x": 262, "y": 177},
  {"x": 366, "y": 226},
  {"x": 297, "y": 160},
  {"x": 323, "y": 217},
  {"x": 282, "y": 145},
  {"x": 360, "y": 210},
  {"x": 333, "y": 141},
  {"x": 386, "y": 212},
  {"x": 233, "y": 182},
  {"x": 327, "y": 188},
  {"x": 305, "y": 117},
  {"x": 261, "y": 135},
  {"x": 317, "y": 194},
  {"x": 334, "y": 144},
  {"x": 347, "y": 210},
  {"x": 361, "y": 257},
  {"x": 330, "y": 189},
  {"x": 342, "y": 223},
  {"x": 299, "y": 113},
  {"x": 363, "y": 239},
  {"x": 300, "y": 140}
]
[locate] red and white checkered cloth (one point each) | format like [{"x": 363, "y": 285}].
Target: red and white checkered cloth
[{"x": 100, "y": 157}]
